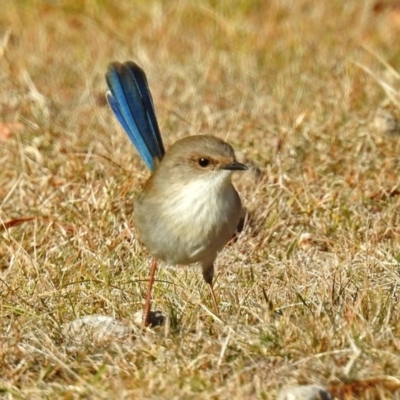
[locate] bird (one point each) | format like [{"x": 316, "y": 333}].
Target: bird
[{"x": 188, "y": 209}]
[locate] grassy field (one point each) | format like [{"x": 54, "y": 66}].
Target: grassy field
[{"x": 308, "y": 93}]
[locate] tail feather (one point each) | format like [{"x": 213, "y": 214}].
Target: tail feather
[{"x": 130, "y": 99}]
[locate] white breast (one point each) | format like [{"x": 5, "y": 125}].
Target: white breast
[
  {"x": 203, "y": 200},
  {"x": 204, "y": 214}
]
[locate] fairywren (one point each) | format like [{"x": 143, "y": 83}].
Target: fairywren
[{"x": 188, "y": 209}]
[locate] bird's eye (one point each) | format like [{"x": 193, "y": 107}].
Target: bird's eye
[{"x": 203, "y": 162}]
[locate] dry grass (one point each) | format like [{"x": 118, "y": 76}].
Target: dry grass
[{"x": 309, "y": 293}]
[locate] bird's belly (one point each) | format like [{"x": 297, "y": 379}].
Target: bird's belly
[{"x": 187, "y": 230}]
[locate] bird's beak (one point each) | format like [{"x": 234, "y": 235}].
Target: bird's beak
[{"x": 235, "y": 166}]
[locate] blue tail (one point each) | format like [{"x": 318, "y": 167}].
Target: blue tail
[{"x": 130, "y": 99}]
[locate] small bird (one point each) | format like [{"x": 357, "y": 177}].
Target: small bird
[{"x": 188, "y": 209}]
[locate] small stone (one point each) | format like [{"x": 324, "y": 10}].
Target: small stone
[
  {"x": 95, "y": 328},
  {"x": 386, "y": 122},
  {"x": 306, "y": 392},
  {"x": 306, "y": 241},
  {"x": 157, "y": 318}
]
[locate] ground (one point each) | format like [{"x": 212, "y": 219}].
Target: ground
[{"x": 307, "y": 92}]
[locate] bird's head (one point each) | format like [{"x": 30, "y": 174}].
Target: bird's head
[{"x": 201, "y": 157}]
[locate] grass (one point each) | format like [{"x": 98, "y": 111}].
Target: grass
[{"x": 309, "y": 292}]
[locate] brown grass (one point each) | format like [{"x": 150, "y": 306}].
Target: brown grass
[{"x": 309, "y": 293}]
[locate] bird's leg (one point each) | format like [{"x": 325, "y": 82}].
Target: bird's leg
[
  {"x": 208, "y": 275},
  {"x": 147, "y": 304},
  {"x": 214, "y": 299}
]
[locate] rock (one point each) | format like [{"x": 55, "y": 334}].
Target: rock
[
  {"x": 157, "y": 318},
  {"x": 96, "y": 329},
  {"x": 306, "y": 392},
  {"x": 385, "y": 122}
]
